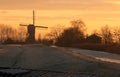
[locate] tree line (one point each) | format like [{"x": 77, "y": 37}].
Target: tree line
[
  {"x": 8, "y": 34},
  {"x": 106, "y": 39},
  {"x": 75, "y": 34}
]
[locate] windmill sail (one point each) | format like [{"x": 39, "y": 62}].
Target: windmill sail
[
  {"x": 41, "y": 27},
  {"x": 33, "y": 17},
  {"x": 23, "y": 25}
]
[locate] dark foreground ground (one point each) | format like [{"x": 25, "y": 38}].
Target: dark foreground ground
[{"x": 44, "y": 61}]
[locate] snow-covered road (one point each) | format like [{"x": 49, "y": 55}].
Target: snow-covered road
[
  {"x": 40, "y": 57},
  {"x": 43, "y": 57},
  {"x": 9, "y": 55},
  {"x": 103, "y": 56}
]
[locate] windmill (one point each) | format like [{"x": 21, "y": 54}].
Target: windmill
[{"x": 31, "y": 30}]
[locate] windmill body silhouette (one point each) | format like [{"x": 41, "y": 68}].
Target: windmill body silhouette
[{"x": 31, "y": 30}]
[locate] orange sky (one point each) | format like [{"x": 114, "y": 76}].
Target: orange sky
[{"x": 95, "y": 13}]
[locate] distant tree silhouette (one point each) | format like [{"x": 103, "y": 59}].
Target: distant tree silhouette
[
  {"x": 94, "y": 39},
  {"x": 55, "y": 33},
  {"x": 9, "y": 41},
  {"x": 2, "y": 36},
  {"x": 8, "y": 33},
  {"x": 117, "y": 35},
  {"x": 72, "y": 35},
  {"x": 107, "y": 36},
  {"x": 79, "y": 24},
  {"x": 47, "y": 41},
  {"x": 39, "y": 38},
  {"x": 21, "y": 34}
]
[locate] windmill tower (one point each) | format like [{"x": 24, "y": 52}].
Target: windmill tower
[{"x": 31, "y": 30}]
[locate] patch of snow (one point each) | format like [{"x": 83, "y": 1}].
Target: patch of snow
[{"x": 103, "y": 56}]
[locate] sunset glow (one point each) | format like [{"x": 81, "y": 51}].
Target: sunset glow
[
  {"x": 60, "y": 38},
  {"x": 95, "y": 13}
]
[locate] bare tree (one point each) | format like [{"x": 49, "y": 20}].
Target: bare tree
[
  {"x": 2, "y": 33},
  {"x": 117, "y": 35},
  {"x": 5, "y": 32},
  {"x": 79, "y": 28},
  {"x": 8, "y": 32},
  {"x": 74, "y": 34},
  {"x": 55, "y": 32},
  {"x": 107, "y": 36},
  {"x": 78, "y": 24},
  {"x": 21, "y": 34},
  {"x": 39, "y": 38}
]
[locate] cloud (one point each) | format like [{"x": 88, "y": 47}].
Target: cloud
[
  {"x": 61, "y": 4},
  {"x": 3, "y": 12},
  {"x": 51, "y": 4},
  {"x": 114, "y": 1}
]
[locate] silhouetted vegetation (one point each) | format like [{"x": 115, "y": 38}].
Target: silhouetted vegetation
[
  {"x": 116, "y": 35},
  {"x": 10, "y": 35},
  {"x": 73, "y": 35},
  {"x": 107, "y": 36},
  {"x": 107, "y": 39}
]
